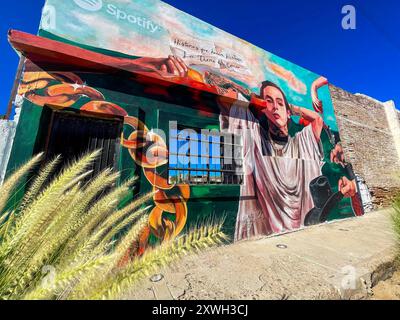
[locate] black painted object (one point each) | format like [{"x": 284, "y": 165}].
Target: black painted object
[{"x": 324, "y": 200}]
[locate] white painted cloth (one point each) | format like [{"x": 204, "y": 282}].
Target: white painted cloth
[{"x": 275, "y": 196}]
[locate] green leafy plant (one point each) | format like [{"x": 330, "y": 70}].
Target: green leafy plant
[{"x": 66, "y": 239}]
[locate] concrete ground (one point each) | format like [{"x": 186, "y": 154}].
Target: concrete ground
[{"x": 340, "y": 260}]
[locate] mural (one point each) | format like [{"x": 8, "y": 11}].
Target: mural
[
  {"x": 295, "y": 173},
  {"x": 62, "y": 90},
  {"x": 152, "y": 37},
  {"x": 284, "y": 183}
]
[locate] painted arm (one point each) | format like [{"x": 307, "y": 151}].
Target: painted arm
[
  {"x": 348, "y": 187},
  {"x": 317, "y": 103},
  {"x": 312, "y": 117},
  {"x": 165, "y": 67}
]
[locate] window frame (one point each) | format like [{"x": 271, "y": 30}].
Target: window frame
[{"x": 229, "y": 174}]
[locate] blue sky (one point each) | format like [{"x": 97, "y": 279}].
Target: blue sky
[{"x": 308, "y": 33}]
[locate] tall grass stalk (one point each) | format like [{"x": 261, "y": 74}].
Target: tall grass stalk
[{"x": 79, "y": 234}]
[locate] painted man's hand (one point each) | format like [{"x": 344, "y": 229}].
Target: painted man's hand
[
  {"x": 347, "y": 188},
  {"x": 317, "y": 104},
  {"x": 176, "y": 66},
  {"x": 167, "y": 66},
  {"x": 337, "y": 155}
]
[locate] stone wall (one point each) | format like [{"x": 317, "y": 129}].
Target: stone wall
[
  {"x": 7, "y": 132},
  {"x": 369, "y": 143}
]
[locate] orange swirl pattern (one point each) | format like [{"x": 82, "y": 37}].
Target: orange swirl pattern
[{"x": 62, "y": 90}]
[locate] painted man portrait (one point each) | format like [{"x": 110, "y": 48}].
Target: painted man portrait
[{"x": 279, "y": 167}]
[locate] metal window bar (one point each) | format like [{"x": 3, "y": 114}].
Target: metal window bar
[
  {"x": 207, "y": 141},
  {"x": 229, "y": 174}
]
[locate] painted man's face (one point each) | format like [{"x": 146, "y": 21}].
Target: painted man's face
[{"x": 276, "y": 110}]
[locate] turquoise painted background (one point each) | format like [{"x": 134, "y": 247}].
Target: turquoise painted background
[{"x": 149, "y": 28}]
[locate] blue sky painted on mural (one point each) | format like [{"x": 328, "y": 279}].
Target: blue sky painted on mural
[{"x": 308, "y": 33}]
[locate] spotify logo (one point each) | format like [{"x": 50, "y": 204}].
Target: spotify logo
[
  {"x": 90, "y": 5},
  {"x": 119, "y": 14}
]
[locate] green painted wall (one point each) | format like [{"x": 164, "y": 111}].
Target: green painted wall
[{"x": 206, "y": 202}]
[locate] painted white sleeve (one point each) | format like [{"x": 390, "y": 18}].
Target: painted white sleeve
[{"x": 309, "y": 147}]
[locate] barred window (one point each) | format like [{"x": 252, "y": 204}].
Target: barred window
[{"x": 204, "y": 157}]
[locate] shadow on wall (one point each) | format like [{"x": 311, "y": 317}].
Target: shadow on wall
[{"x": 7, "y": 132}]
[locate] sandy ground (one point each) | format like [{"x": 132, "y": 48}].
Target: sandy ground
[{"x": 389, "y": 289}]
